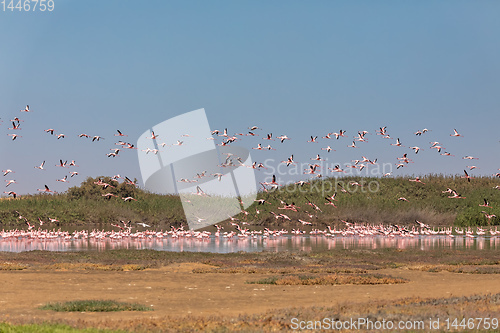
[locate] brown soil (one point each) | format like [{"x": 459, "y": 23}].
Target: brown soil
[{"x": 174, "y": 290}]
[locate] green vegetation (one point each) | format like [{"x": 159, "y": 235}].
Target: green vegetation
[
  {"x": 376, "y": 201},
  {"x": 94, "y": 306}
]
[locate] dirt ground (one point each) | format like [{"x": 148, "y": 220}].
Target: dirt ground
[{"x": 175, "y": 290}]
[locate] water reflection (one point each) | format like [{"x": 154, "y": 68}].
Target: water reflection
[{"x": 252, "y": 244}]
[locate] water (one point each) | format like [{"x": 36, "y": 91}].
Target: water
[{"x": 273, "y": 244}]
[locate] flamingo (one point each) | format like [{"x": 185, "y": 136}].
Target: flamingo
[
  {"x": 416, "y": 149},
  {"x": 200, "y": 192},
  {"x": 313, "y": 139},
  {"x": 26, "y": 109},
  {"x": 14, "y": 136},
  {"x": 467, "y": 176},
  {"x": 128, "y": 199},
  {"x": 398, "y": 143},
  {"x": 455, "y": 133},
  {"x": 486, "y": 204},
  {"x": 417, "y": 179},
  {"x": 6, "y": 172},
  {"x": 282, "y": 138},
  {"x": 289, "y": 161},
  {"x": 64, "y": 180},
  {"x": 353, "y": 145},
  {"x": 41, "y": 166},
  {"x": 14, "y": 126},
  {"x": 10, "y": 182},
  {"x": 14, "y": 194},
  {"x": 455, "y": 195},
  {"x": 120, "y": 133},
  {"x": 50, "y": 130},
  {"x": 153, "y": 136},
  {"x": 59, "y": 136},
  {"x": 46, "y": 189}
]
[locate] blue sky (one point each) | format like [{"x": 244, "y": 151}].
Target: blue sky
[{"x": 290, "y": 67}]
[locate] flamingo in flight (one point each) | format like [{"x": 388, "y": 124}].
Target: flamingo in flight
[
  {"x": 14, "y": 126},
  {"x": 398, "y": 143},
  {"x": 26, "y": 109},
  {"x": 153, "y": 136},
  {"x": 6, "y": 172},
  {"x": 486, "y": 204},
  {"x": 282, "y": 138},
  {"x": 14, "y": 194},
  {"x": 64, "y": 180},
  {"x": 46, "y": 189},
  {"x": 41, "y": 166},
  {"x": 455, "y": 133},
  {"x": 467, "y": 176},
  {"x": 10, "y": 182},
  {"x": 14, "y": 136},
  {"x": 289, "y": 161},
  {"x": 120, "y": 133}
]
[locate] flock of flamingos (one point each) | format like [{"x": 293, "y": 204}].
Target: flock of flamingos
[{"x": 238, "y": 231}]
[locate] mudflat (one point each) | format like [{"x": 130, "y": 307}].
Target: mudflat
[{"x": 175, "y": 290}]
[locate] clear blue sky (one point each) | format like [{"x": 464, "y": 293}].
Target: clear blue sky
[{"x": 290, "y": 67}]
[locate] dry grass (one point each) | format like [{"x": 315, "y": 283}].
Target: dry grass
[
  {"x": 280, "y": 320},
  {"x": 330, "y": 279}
]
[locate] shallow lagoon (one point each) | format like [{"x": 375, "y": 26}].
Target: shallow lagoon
[{"x": 259, "y": 243}]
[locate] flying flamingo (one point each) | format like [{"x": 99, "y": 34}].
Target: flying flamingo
[
  {"x": 289, "y": 161},
  {"x": 398, "y": 143},
  {"x": 14, "y": 136},
  {"x": 120, "y": 133},
  {"x": 14, "y": 194},
  {"x": 46, "y": 189},
  {"x": 455, "y": 133},
  {"x": 486, "y": 204},
  {"x": 153, "y": 136},
  {"x": 41, "y": 166},
  {"x": 14, "y": 126},
  {"x": 467, "y": 176},
  {"x": 10, "y": 182},
  {"x": 64, "y": 180},
  {"x": 282, "y": 138}
]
